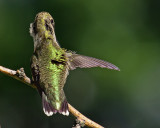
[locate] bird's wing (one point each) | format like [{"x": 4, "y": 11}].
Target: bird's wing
[{"x": 76, "y": 60}]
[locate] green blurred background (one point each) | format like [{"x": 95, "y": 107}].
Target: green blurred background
[{"x": 123, "y": 32}]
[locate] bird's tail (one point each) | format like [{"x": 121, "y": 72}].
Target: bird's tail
[{"x": 49, "y": 110}]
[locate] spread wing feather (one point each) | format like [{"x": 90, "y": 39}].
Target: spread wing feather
[{"x": 76, "y": 60}]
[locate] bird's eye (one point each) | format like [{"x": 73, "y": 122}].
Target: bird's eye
[
  {"x": 34, "y": 25},
  {"x": 52, "y": 21}
]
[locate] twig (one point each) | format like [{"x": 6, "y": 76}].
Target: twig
[{"x": 20, "y": 75}]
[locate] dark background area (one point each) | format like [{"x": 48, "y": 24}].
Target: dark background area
[{"x": 125, "y": 33}]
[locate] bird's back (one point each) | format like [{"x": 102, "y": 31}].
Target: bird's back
[{"x": 53, "y": 71}]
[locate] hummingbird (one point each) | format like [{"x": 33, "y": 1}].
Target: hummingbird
[{"x": 50, "y": 65}]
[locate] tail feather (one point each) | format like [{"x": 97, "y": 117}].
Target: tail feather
[
  {"x": 64, "y": 108},
  {"x": 49, "y": 110}
]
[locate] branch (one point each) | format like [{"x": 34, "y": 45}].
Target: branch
[{"x": 20, "y": 75}]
